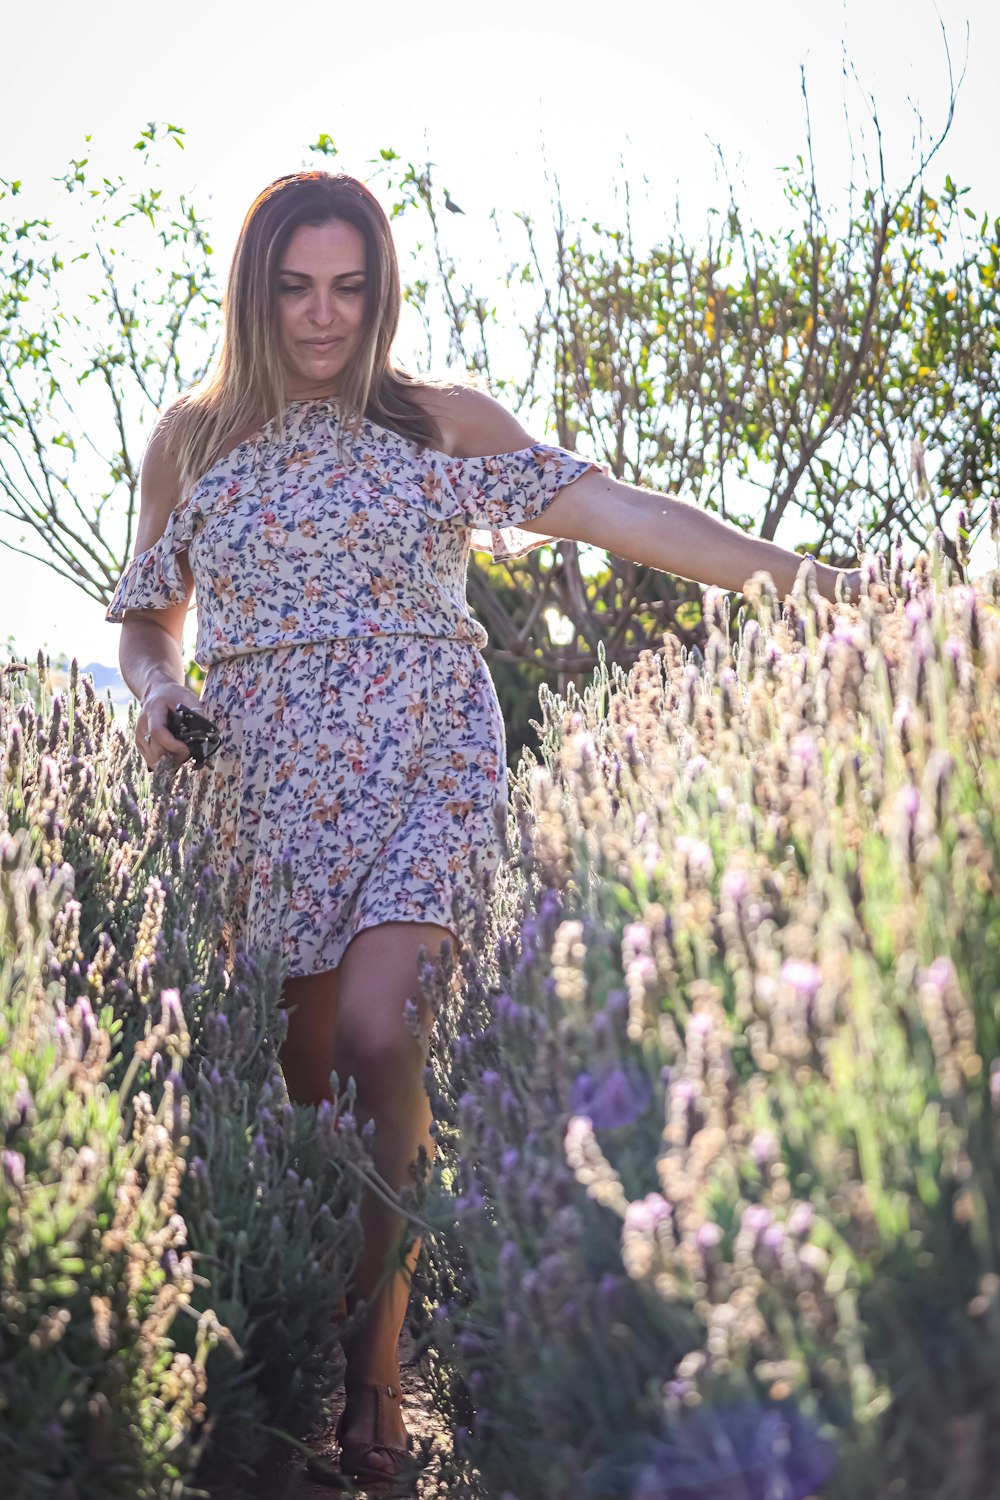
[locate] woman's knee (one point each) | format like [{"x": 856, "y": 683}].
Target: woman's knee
[
  {"x": 384, "y": 1017},
  {"x": 382, "y": 1055}
]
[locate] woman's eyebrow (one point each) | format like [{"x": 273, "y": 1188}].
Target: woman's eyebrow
[{"x": 304, "y": 275}]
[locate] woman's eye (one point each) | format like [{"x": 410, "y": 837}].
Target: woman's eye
[
  {"x": 352, "y": 291},
  {"x": 291, "y": 290}
]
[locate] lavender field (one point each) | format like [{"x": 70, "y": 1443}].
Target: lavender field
[{"x": 714, "y": 1210}]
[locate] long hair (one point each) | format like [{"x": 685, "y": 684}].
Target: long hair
[{"x": 246, "y": 385}]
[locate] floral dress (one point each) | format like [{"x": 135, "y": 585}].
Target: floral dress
[{"x": 362, "y": 775}]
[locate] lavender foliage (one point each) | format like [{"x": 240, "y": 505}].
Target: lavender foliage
[
  {"x": 715, "y": 1082},
  {"x": 175, "y": 1235}
]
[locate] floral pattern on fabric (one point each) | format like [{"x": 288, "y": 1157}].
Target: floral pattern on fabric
[
  {"x": 362, "y": 775},
  {"x": 291, "y": 540},
  {"x": 375, "y": 768}
]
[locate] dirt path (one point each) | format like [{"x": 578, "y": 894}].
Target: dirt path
[{"x": 290, "y": 1481}]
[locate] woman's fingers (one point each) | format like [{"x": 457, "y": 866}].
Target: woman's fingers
[
  {"x": 153, "y": 737},
  {"x": 160, "y": 743}
]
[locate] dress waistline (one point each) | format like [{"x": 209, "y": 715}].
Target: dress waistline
[{"x": 323, "y": 640}]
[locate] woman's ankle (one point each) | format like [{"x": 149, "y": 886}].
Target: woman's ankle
[{"x": 371, "y": 1367}]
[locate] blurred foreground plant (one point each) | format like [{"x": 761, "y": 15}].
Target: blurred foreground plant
[
  {"x": 717, "y": 1189},
  {"x": 174, "y": 1233}
]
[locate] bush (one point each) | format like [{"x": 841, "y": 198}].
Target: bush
[
  {"x": 717, "y": 1188},
  {"x": 175, "y": 1234},
  {"x": 95, "y": 1268}
]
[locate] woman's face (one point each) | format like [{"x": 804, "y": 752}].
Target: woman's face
[{"x": 321, "y": 306}]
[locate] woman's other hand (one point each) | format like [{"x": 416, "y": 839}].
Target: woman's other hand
[
  {"x": 851, "y": 584},
  {"x": 151, "y": 733}
]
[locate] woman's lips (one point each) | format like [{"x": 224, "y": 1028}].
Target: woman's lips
[{"x": 321, "y": 344}]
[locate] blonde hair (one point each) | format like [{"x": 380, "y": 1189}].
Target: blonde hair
[{"x": 246, "y": 385}]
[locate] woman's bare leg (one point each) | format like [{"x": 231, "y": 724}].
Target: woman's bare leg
[
  {"x": 374, "y": 1045},
  {"x": 306, "y": 1055}
]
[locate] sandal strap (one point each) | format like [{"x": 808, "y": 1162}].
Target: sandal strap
[
  {"x": 392, "y": 1391},
  {"x": 360, "y": 1446},
  {"x": 364, "y": 1449}
]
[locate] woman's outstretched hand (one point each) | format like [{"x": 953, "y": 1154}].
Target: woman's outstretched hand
[
  {"x": 151, "y": 733},
  {"x": 851, "y": 585}
]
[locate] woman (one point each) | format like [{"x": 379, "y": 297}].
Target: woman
[{"x": 327, "y": 505}]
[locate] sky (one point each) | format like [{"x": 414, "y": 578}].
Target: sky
[{"x": 480, "y": 90}]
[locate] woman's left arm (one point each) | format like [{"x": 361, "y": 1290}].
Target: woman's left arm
[
  {"x": 657, "y": 530},
  {"x": 664, "y": 531}
]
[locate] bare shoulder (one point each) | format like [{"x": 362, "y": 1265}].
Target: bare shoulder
[
  {"x": 472, "y": 423},
  {"x": 159, "y": 478}
]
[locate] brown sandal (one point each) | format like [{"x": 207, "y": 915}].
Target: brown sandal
[{"x": 354, "y": 1453}]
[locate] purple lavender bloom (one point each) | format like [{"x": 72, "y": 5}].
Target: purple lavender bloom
[
  {"x": 804, "y": 746},
  {"x": 735, "y": 886},
  {"x": 600, "y": 1028},
  {"x": 613, "y": 1097},
  {"x": 764, "y": 1147},
  {"x": 756, "y": 1218},
  {"x": 637, "y": 937},
  {"x": 507, "y": 1009},
  {"x": 616, "y": 1004},
  {"x": 170, "y": 1007},
  {"x": 774, "y": 1238},
  {"x": 803, "y": 977},
  {"x": 643, "y": 1215},
  {"x": 800, "y": 1219},
  {"x": 940, "y": 975},
  {"x": 738, "y": 1452},
  {"x": 471, "y": 1201},
  {"x": 13, "y": 1167},
  {"x": 909, "y": 799},
  {"x": 510, "y": 1257},
  {"x": 550, "y": 905}
]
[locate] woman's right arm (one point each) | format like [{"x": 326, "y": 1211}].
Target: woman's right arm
[{"x": 149, "y": 652}]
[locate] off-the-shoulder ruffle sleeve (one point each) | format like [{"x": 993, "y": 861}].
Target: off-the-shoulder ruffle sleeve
[
  {"x": 153, "y": 578},
  {"x": 498, "y": 493}
]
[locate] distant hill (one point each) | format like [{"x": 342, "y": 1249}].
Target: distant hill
[{"x": 107, "y": 677}]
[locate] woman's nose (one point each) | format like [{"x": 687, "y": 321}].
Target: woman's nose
[{"x": 321, "y": 308}]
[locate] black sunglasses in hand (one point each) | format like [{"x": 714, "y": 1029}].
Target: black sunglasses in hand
[{"x": 197, "y": 733}]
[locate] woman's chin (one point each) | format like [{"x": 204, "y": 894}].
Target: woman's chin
[{"x": 317, "y": 382}]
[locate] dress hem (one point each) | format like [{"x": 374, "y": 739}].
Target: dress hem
[{"x": 365, "y": 927}]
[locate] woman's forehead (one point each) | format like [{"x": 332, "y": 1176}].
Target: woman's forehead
[{"x": 335, "y": 248}]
